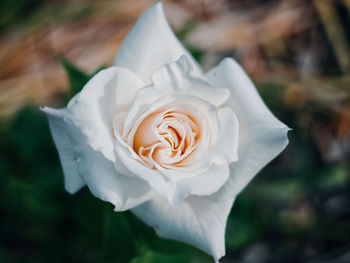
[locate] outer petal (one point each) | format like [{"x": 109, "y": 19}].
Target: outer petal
[
  {"x": 72, "y": 181},
  {"x": 262, "y": 135},
  {"x": 179, "y": 77},
  {"x": 203, "y": 184},
  {"x": 150, "y": 45},
  {"x": 226, "y": 147},
  {"x": 199, "y": 221},
  {"x": 92, "y": 109},
  {"x": 175, "y": 191},
  {"x": 93, "y": 168}
]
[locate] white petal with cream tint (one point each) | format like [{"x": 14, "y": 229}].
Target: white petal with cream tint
[
  {"x": 200, "y": 221},
  {"x": 72, "y": 180},
  {"x": 150, "y": 45},
  {"x": 168, "y": 114},
  {"x": 155, "y": 135},
  {"x": 93, "y": 108},
  {"x": 92, "y": 168},
  {"x": 262, "y": 135},
  {"x": 172, "y": 182}
]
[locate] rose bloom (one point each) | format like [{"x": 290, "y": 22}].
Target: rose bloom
[{"x": 156, "y": 135}]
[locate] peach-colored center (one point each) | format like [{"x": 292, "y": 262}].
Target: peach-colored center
[{"x": 166, "y": 138}]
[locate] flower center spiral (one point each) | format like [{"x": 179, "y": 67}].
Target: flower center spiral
[{"x": 166, "y": 138}]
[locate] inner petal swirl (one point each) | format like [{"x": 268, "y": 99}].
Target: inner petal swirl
[{"x": 167, "y": 138}]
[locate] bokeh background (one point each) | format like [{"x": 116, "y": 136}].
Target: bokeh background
[{"x": 296, "y": 51}]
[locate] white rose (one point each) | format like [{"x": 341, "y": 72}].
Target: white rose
[{"x": 155, "y": 135}]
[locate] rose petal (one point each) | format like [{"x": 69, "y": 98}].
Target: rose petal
[
  {"x": 72, "y": 181},
  {"x": 201, "y": 109},
  {"x": 262, "y": 136},
  {"x": 174, "y": 79},
  {"x": 245, "y": 100},
  {"x": 92, "y": 109},
  {"x": 93, "y": 168},
  {"x": 171, "y": 187},
  {"x": 134, "y": 166},
  {"x": 150, "y": 45},
  {"x": 179, "y": 77},
  {"x": 202, "y": 184},
  {"x": 256, "y": 150},
  {"x": 226, "y": 147},
  {"x": 106, "y": 183},
  {"x": 199, "y": 221}
]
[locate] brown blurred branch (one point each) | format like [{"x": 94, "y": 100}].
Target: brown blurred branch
[{"x": 334, "y": 30}]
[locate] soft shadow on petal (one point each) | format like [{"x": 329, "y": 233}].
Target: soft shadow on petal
[
  {"x": 156, "y": 180},
  {"x": 172, "y": 189},
  {"x": 179, "y": 77},
  {"x": 261, "y": 137},
  {"x": 93, "y": 168},
  {"x": 226, "y": 147},
  {"x": 199, "y": 221},
  {"x": 203, "y": 184},
  {"x": 72, "y": 180},
  {"x": 256, "y": 150},
  {"x": 245, "y": 100},
  {"x": 150, "y": 45},
  {"x": 92, "y": 109}
]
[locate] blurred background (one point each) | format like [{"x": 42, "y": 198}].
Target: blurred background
[{"x": 296, "y": 51}]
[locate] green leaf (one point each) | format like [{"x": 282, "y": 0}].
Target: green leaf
[
  {"x": 117, "y": 232},
  {"x": 29, "y": 134},
  {"x": 185, "y": 30},
  {"x": 151, "y": 248},
  {"x": 77, "y": 78},
  {"x": 151, "y": 256},
  {"x": 196, "y": 53}
]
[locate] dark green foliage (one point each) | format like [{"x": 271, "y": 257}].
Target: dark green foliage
[{"x": 12, "y": 11}]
